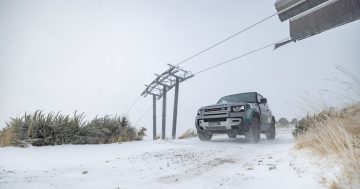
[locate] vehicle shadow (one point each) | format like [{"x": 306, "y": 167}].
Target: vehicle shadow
[
  {"x": 229, "y": 140},
  {"x": 240, "y": 140}
]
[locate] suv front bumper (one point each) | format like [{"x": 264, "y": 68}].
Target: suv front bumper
[{"x": 219, "y": 124}]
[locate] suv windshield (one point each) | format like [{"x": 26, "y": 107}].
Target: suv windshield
[{"x": 245, "y": 97}]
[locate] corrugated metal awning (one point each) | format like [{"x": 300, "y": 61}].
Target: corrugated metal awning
[
  {"x": 311, "y": 17},
  {"x": 331, "y": 15},
  {"x": 289, "y": 8}
]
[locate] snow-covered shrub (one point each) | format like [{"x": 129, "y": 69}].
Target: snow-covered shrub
[
  {"x": 108, "y": 130},
  {"x": 142, "y": 132},
  {"x": 67, "y": 128},
  {"x": 40, "y": 129}
]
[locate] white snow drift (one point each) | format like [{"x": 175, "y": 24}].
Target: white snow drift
[{"x": 188, "y": 163}]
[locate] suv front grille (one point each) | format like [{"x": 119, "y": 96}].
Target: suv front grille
[
  {"x": 214, "y": 119},
  {"x": 215, "y": 109}
]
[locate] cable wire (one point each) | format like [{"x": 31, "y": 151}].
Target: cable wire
[
  {"x": 143, "y": 115},
  {"x": 217, "y": 65},
  {"x": 133, "y": 104},
  {"x": 222, "y": 41},
  {"x": 210, "y": 47},
  {"x": 243, "y": 55}
]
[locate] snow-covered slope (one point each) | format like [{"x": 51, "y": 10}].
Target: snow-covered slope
[{"x": 188, "y": 163}]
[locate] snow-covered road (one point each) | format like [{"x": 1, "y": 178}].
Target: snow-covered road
[{"x": 188, "y": 163}]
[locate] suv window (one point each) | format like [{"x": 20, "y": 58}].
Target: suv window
[
  {"x": 259, "y": 97},
  {"x": 244, "y": 97}
]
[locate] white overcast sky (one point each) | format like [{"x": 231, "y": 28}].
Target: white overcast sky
[{"x": 96, "y": 56}]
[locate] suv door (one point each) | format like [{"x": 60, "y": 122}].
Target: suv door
[
  {"x": 263, "y": 111},
  {"x": 269, "y": 113}
]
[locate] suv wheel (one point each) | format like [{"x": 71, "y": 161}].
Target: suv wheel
[
  {"x": 253, "y": 135},
  {"x": 270, "y": 135},
  {"x": 204, "y": 136},
  {"x": 232, "y": 135}
]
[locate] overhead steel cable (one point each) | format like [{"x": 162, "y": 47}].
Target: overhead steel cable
[
  {"x": 143, "y": 115},
  {"x": 212, "y": 46},
  {"x": 133, "y": 104},
  {"x": 222, "y": 41},
  {"x": 220, "y": 64},
  {"x": 241, "y": 56}
]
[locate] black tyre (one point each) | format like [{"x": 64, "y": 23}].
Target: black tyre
[
  {"x": 270, "y": 135},
  {"x": 204, "y": 136},
  {"x": 253, "y": 135},
  {"x": 232, "y": 135}
]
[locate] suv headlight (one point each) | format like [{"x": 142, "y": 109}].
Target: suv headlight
[
  {"x": 199, "y": 112},
  {"x": 238, "y": 108}
]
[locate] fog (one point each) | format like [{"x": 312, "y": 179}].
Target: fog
[{"x": 96, "y": 56}]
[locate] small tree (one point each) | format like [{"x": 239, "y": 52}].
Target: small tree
[
  {"x": 283, "y": 121},
  {"x": 294, "y": 121}
]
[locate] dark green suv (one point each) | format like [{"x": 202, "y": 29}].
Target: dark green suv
[{"x": 239, "y": 114}]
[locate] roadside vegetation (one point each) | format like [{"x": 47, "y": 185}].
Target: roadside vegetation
[
  {"x": 335, "y": 135},
  {"x": 283, "y": 122},
  {"x": 40, "y": 129},
  {"x": 190, "y": 133}
]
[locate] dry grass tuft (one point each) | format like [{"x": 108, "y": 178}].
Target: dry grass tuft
[
  {"x": 334, "y": 185},
  {"x": 335, "y": 134},
  {"x": 188, "y": 134},
  {"x": 8, "y": 137}
]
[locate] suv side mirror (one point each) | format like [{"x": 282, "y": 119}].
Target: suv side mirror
[{"x": 263, "y": 101}]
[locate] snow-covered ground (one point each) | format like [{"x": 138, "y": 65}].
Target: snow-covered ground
[{"x": 188, "y": 163}]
